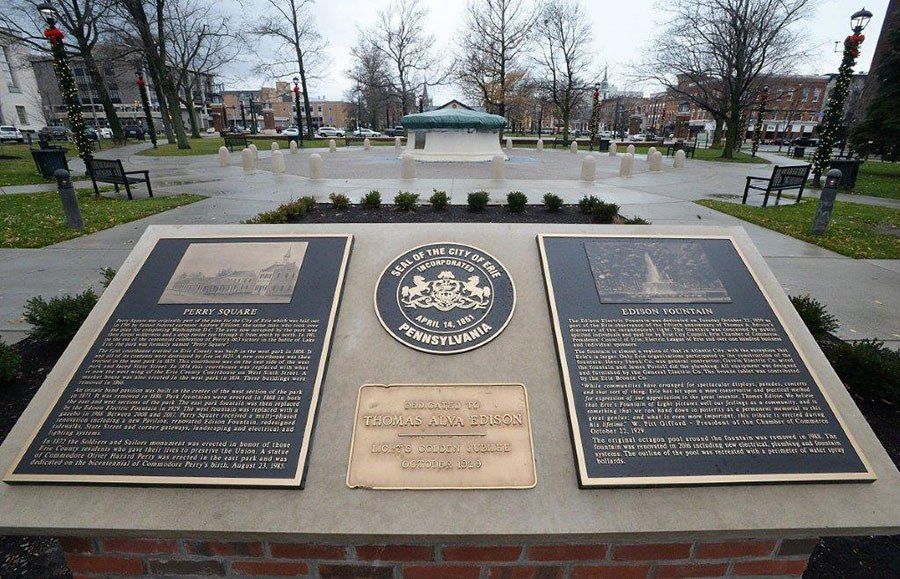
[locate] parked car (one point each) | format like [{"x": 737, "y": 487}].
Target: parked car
[
  {"x": 329, "y": 132},
  {"x": 291, "y": 131},
  {"x": 364, "y": 132},
  {"x": 92, "y": 133},
  {"x": 55, "y": 133},
  {"x": 135, "y": 132},
  {"x": 105, "y": 132},
  {"x": 10, "y": 133},
  {"x": 638, "y": 137},
  {"x": 397, "y": 131},
  {"x": 805, "y": 142}
]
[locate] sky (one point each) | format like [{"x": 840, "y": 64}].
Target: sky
[{"x": 621, "y": 30}]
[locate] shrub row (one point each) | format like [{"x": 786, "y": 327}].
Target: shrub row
[{"x": 287, "y": 212}]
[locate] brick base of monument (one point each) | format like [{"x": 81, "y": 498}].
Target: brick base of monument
[{"x": 91, "y": 557}]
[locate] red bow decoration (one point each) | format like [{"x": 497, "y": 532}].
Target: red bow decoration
[{"x": 54, "y": 35}]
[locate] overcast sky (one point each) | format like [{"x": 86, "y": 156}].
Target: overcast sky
[{"x": 621, "y": 28}]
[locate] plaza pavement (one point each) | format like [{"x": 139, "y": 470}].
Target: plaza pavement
[{"x": 863, "y": 294}]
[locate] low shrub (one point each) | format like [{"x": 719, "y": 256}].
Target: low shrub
[
  {"x": 439, "y": 200},
  {"x": 339, "y": 201},
  {"x": 56, "y": 320},
  {"x": 108, "y": 274},
  {"x": 406, "y": 201},
  {"x": 9, "y": 363},
  {"x": 286, "y": 212},
  {"x": 553, "y": 202},
  {"x": 371, "y": 200},
  {"x": 868, "y": 366},
  {"x": 516, "y": 201},
  {"x": 635, "y": 221},
  {"x": 478, "y": 200},
  {"x": 604, "y": 212},
  {"x": 587, "y": 204},
  {"x": 814, "y": 315}
]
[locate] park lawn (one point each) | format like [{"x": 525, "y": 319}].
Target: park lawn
[
  {"x": 21, "y": 169},
  {"x": 858, "y": 231},
  {"x": 210, "y": 145},
  {"x": 878, "y": 179},
  {"x": 716, "y": 155},
  {"x": 37, "y": 219}
]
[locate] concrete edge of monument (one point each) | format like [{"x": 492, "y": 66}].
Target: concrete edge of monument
[
  {"x": 76, "y": 354},
  {"x": 794, "y": 329},
  {"x": 362, "y": 352},
  {"x": 523, "y": 475}
]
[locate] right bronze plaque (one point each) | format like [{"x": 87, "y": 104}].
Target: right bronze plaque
[{"x": 679, "y": 367}]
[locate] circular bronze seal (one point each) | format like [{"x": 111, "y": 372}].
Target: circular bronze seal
[{"x": 445, "y": 298}]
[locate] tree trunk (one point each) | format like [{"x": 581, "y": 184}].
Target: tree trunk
[
  {"x": 112, "y": 118},
  {"x": 717, "y": 134},
  {"x": 192, "y": 112},
  {"x": 175, "y": 110},
  {"x": 161, "y": 99},
  {"x": 733, "y": 123}
]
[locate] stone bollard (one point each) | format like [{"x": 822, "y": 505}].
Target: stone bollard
[
  {"x": 626, "y": 166},
  {"x": 274, "y": 146},
  {"x": 277, "y": 161},
  {"x": 316, "y": 167},
  {"x": 498, "y": 167},
  {"x": 540, "y": 145},
  {"x": 508, "y": 143},
  {"x": 407, "y": 166},
  {"x": 630, "y": 150},
  {"x": 68, "y": 199},
  {"x": 679, "y": 160},
  {"x": 398, "y": 143},
  {"x": 223, "y": 156},
  {"x": 332, "y": 146},
  {"x": 613, "y": 149},
  {"x": 650, "y": 151},
  {"x": 826, "y": 202},
  {"x": 654, "y": 160},
  {"x": 294, "y": 147},
  {"x": 588, "y": 168},
  {"x": 247, "y": 160},
  {"x": 574, "y": 146},
  {"x": 255, "y": 154},
  {"x": 367, "y": 144}
]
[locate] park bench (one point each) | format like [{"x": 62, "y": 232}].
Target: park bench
[
  {"x": 791, "y": 177},
  {"x": 111, "y": 171},
  {"x": 688, "y": 148},
  {"x": 232, "y": 141}
]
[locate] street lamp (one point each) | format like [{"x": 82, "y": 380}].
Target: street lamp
[
  {"x": 145, "y": 102},
  {"x": 833, "y": 120},
  {"x": 297, "y": 106},
  {"x": 67, "y": 87}
]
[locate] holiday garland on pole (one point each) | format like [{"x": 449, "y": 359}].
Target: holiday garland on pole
[
  {"x": 758, "y": 128},
  {"x": 145, "y": 103},
  {"x": 595, "y": 117},
  {"x": 834, "y": 113},
  {"x": 69, "y": 93}
]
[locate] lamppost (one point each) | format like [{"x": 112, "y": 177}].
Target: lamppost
[
  {"x": 595, "y": 116},
  {"x": 834, "y": 113},
  {"x": 297, "y": 106},
  {"x": 67, "y": 85},
  {"x": 254, "y": 128},
  {"x": 421, "y": 103},
  {"x": 145, "y": 103},
  {"x": 243, "y": 117},
  {"x": 760, "y": 112}
]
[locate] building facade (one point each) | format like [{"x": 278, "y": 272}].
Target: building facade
[
  {"x": 20, "y": 99},
  {"x": 273, "y": 108}
]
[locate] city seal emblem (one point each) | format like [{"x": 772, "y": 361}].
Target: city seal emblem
[{"x": 445, "y": 298}]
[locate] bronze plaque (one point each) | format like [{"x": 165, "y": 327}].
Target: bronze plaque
[{"x": 442, "y": 436}]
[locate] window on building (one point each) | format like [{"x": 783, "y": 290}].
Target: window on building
[
  {"x": 805, "y": 94},
  {"x": 6, "y": 70},
  {"x": 816, "y": 94},
  {"x": 23, "y": 116}
]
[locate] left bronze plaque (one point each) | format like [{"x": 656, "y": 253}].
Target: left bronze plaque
[
  {"x": 204, "y": 369},
  {"x": 435, "y": 436}
]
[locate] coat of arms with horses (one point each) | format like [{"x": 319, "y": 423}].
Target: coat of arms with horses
[{"x": 446, "y": 293}]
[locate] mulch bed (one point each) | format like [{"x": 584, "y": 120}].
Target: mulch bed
[{"x": 833, "y": 557}]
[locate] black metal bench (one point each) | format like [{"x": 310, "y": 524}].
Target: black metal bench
[
  {"x": 111, "y": 171},
  {"x": 689, "y": 149},
  {"x": 232, "y": 141},
  {"x": 791, "y": 177}
]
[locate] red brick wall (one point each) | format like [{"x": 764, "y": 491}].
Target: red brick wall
[{"x": 90, "y": 557}]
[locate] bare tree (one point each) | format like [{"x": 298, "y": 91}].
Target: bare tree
[
  {"x": 564, "y": 57},
  {"x": 82, "y": 21},
  {"x": 400, "y": 35},
  {"x": 301, "y": 46},
  {"x": 369, "y": 73},
  {"x": 494, "y": 36},
  {"x": 717, "y": 53},
  {"x": 200, "y": 43}
]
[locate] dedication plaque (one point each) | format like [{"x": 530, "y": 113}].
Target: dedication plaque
[
  {"x": 445, "y": 298},
  {"x": 678, "y": 369},
  {"x": 207, "y": 371},
  {"x": 456, "y": 436}
]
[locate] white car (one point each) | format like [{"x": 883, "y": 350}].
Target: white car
[
  {"x": 10, "y": 133},
  {"x": 364, "y": 132},
  {"x": 105, "y": 133},
  {"x": 291, "y": 131},
  {"x": 329, "y": 132},
  {"x": 638, "y": 137}
]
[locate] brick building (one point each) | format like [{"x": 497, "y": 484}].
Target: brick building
[{"x": 275, "y": 109}]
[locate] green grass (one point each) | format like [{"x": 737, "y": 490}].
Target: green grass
[
  {"x": 716, "y": 155},
  {"x": 210, "y": 145},
  {"x": 21, "y": 170},
  {"x": 38, "y": 220},
  {"x": 858, "y": 231},
  {"x": 878, "y": 179}
]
